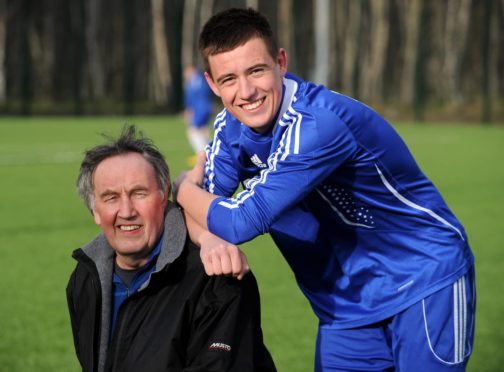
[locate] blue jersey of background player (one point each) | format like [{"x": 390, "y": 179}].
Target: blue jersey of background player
[
  {"x": 198, "y": 108},
  {"x": 383, "y": 261}
]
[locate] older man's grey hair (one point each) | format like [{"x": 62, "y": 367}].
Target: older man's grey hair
[{"x": 130, "y": 140}]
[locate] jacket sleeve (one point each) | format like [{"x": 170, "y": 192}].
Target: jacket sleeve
[
  {"x": 226, "y": 332},
  {"x": 84, "y": 313},
  {"x": 71, "y": 308}
]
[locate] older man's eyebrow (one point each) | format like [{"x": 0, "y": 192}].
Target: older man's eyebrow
[{"x": 107, "y": 192}]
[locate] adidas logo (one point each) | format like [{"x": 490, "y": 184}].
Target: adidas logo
[
  {"x": 257, "y": 162},
  {"x": 219, "y": 346}
]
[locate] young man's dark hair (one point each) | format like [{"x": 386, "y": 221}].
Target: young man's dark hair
[{"x": 234, "y": 27}]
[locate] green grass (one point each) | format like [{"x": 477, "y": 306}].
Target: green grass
[{"x": 43, "y": 220}]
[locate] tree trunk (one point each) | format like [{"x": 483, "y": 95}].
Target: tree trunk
[
  {"x": 286, "y": 31},
  {"x": 351, "y": 63},
  {"x": 78, "y": 53},
  {"x": 457, "y": 28},
  {"x": 338, "y": 34},
  {"x": 26, "y": 59},
  {"x": 373, "y": 70},
  {"x": 42, "y": 48},
  {"x": 486, "y": 105},
  {"x": 254, "y": 4},
  {"x": 320, "y": 71},
  {"x": 188, "y": 33},
  {"x": 303, "y": 38},
  {"x": 206, "y": 12},
  {"x": 95, "y": 59},
  {"x": 411, "y": 31},
  {"x": 160, "y": 72},
  {"x": 128, "y": 73},
  {"x": 3, "y": 39}
]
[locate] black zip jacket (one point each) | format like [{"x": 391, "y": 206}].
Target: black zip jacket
[{"x": 180, "y": 319}]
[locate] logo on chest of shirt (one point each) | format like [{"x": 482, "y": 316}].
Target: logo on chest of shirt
[{"x": 257, "y": 162}]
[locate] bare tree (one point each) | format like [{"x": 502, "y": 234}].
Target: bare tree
[
  {"x": 252, "y": 4},
  {"x": 320, "y": 71},
  {"x": 284, "y": 23},
  {"x": 95, "y": 58},
  {"x": 160, "y": 71},
  {"x": 206, "y": 10},
  {"x": 78, "y": 53},
  {"x": 337, "y": 36},
  {"x": 396, "y": 51},
  {"x": 351, "y": 62},
  {"x": 188, "y": 32},
  {"x": 411, "y": 32},
  {"x": 486, "y": 106},
  {"x": 41, "y": 44},
  {"x": 374, "y": 64},
  {"x": 457, "y": 28},
  {"x": 3, "y": 39}
]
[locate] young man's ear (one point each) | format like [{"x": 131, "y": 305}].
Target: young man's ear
[
  {"x": 282, "y": 60},
  {"x": 211, "y": 84}
]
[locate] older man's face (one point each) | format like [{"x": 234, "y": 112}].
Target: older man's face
[{"x": 129, "y": 207}]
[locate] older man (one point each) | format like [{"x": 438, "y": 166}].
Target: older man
[{"x": 139, "y": 298}]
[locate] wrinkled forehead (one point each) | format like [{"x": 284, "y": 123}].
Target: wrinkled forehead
[{"x": 121, "y": 170}]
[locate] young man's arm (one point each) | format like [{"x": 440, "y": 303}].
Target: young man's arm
[
  {"x": 193, "y": 198},
  {"x": 218, "y": 256},
  {"x": 305, "y": 157}
]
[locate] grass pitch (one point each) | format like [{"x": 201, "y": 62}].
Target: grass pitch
[{"x": 43, "y": 220}]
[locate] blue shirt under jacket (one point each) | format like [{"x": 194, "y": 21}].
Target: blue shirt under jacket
[{"x": 121, "y": 292}]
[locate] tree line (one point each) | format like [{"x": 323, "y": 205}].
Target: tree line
[{"x": 407, "y": 57}]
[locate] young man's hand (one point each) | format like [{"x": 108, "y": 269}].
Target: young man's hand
[{"x": 222, "y": 258}]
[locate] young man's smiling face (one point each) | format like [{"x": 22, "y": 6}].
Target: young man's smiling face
[
  {"x": 129, "y": 207},
  {"x": 249, "y": 82}
]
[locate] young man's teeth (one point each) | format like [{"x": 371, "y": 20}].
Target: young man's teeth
[
  {"x": 253, "y": 105},
  {"x": 129, "y": 227}
]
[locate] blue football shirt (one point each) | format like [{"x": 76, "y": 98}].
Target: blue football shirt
[{"x": 365, "y": 232}]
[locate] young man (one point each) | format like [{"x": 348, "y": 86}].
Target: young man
[
  {"x": 383, "y": 261},
  {"x": 139, "y": 298}
]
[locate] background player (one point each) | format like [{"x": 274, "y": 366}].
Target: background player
[
  {"x": 383, "y": 261},
  {"x": 198, "y": 109}
]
